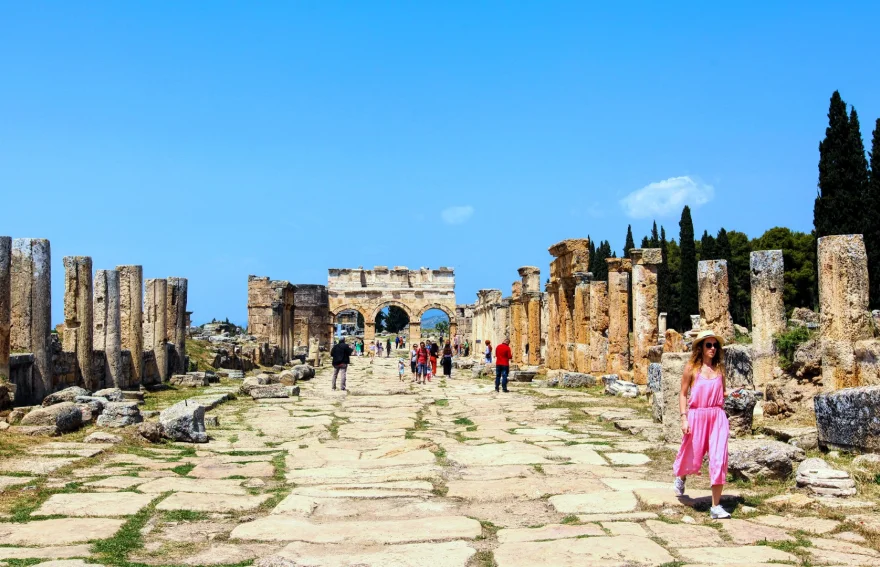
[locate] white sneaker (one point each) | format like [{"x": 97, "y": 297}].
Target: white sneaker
[
  {"x": 678, "y": 486},
  {"x": 718, "y": 513}
]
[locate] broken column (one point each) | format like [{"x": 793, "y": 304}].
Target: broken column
[
  {"x": 156, "y": 323},
  {"x": 107, "y": 330},
  {"x": 5, "y": 304},
  {"x": 131, "y": 317},
  {"x": 598, "y": 326},
  {"x": 843, "y": 298},
  {"x": 517, "y": 347},
  {"x": 554, "y": 331},
  {"x": 644, "y": 289},
  {"x": 176, "y": 320},
  {"x": 618, "y": 315},
  {"x": 31, "y": 312},
  {"x": 768, "y": 311},
  {"x": 570, "y": 257},
  {"x": 582, "y": 324},
  {"x": 531, "y": 290},
  {"x": 78, "y": 320},
  {"x": 715, "y": 298}
]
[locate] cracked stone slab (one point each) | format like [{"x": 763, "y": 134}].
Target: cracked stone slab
[
  {"x": 212, "y": 502},
  {"x": 34, "y": 465},
  {"x": 94, "y": 504},
  {"x": 685, "y": 535},
  {"x": 57, "y": 532},
  {"x": 287, "y": 528},
  {"x": 596, "y": 503},
  {"x": 806, "y": 523},
  {"x": 58, "y": 552},
  {"x": 548, "y": 532},
  {"x": 199, "y": 485},
  {"x": 735, "y": 555},
  {"x": 444, "y": 554},
  {"x": 743, "y": 532},
  {"x": 117, "y": 482},
  {"x": 615, "y": 551},
  {"x": 7, "y": 481}
]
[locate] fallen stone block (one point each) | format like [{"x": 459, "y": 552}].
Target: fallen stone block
[
  {"x": 188, "y": 381},
  {"x": 820, "y": 478},
  {"x": 655, "y": 373},
  {"x": 102, "y": 437},
  {"x": 804, "y": 437},
  {"x": 578, "y": 380},
  {"x": 622, "y": 388},
  {"x": 523, "y": 375},
  {"x": 63, "y": 417},
  {"x": 151, "y": 431},
  {"x": 303, "y": 372},
  {"x": 269, "y": 391},
  {"x": 111, "y": 394},
  {"x": 751, "y": 459},
  {"x": 184, "y": 421},
  {"x": 740, "y": 412},
  {"x": 849, "y": 419},
  {"x": 120, "y": 414},
  {"x": 65, "y": 395}
]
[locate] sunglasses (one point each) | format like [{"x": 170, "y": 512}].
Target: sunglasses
[{"x": 710, "y": 345}]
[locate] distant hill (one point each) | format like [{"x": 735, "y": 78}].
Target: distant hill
[{"x": 431, "y": 322}]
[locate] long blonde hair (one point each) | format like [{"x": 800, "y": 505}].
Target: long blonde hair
[{"x": 696, "y": 360}]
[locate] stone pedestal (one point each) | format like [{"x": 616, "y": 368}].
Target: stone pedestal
[
  {"x": 107, "y": 334},
  {"x": 618, "y": 315},
  {"x": 131, "y": 318},
  {"x": 844, "y": 317},
  {"x": 598, "y": 326},
  {"x": 78, "y": 319},
  {"x": 176, "y": 321},
  {"x": 768, "y": 310},
  {"x": 644, "y": 289},
  {"x": 31, "y": 312},
  {"x": 715, "y": 298},
  {"x": 5, "y": 304},
  {"x": 156, "y": 323}
]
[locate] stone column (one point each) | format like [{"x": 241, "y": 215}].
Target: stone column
[
  {"x": 768, "y": 310},
  {"x": 618, "y": 315},
  {"x": 156, "y": 323},
  {"x": 843, "y": 300},
  {"x": 598, "y": 326},
  {"x": 107, "y": 325},
  {"x": 715, "y": 298},
  {"x": 534, "y": 314},
  {"x": 517, "y": 348},
  {"x": 582, "y": 325},
  {"x": 661, "y": 324},
  {"x": 644, "y": 286},
  {"x": 502, "y": 323},
  {"x": 78, "y": 319},
  {"x": 31, "y": 311},
  {"x": 554, "y": 331},
  {"x": 5, "y": 304},
  {"x": 176, "y": 320},
  {"x": 131, "y": 318},
  {"x": 566, "y": 323}
]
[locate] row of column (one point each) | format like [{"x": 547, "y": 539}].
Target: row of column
[{"x": 103, "y": 314}]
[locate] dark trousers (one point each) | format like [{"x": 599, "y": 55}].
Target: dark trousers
[{"x": 501, "y": 377}]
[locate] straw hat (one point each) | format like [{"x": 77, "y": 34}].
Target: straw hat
[{"x": 703, "y": 335}]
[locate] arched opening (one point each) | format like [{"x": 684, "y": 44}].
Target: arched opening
[
  {"x": 436, "y": 325},
  {"x": 349, "y": 323}
]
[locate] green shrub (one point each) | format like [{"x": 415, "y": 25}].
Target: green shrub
[{"x": 788, "y": 341}]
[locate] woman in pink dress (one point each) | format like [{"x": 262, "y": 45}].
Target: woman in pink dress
[{"x": 703, "y": 421}]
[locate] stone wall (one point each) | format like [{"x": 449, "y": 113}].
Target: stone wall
[
  {"x": 311, "y": 316},
  {"x": 271, "y": 305},
  {"x": 568, "y": 268}
]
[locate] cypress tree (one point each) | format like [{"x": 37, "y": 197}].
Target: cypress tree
[
  {"x": 645, "y": 242},
  {"x": 629, "y": 241},
  {"x": 872, "y": 224},
  {"x": 688, "y": 298},
  {"x": 655, "y": 238},
  {"x": 722, "y": 247},
  {"x": 858, "y": 188},
  {"x": 592, "y": 262},
  {"x": 707, "y": 250},
  {"x": 831, "y": 208},
  {"x": 600, "y": 270},
  {"x": 664, "y": 285}
]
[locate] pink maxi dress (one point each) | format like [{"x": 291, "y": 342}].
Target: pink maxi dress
[{"x": 709, "y": 430}]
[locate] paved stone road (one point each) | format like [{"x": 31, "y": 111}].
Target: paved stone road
[{"x": 394, "y": 474}]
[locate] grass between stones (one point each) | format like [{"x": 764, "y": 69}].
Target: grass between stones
[
  {"x": 183, "y": 470},
  {"x": 115, "y": 550},
  {"x": 183, "y": 516},
  {"x": 483, "y": 558},
  {"x": 463, "y": 421},
  {"x": 441, "y": 402}
]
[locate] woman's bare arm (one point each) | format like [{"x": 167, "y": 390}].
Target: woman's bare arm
[{"x": 686, "y": 379}]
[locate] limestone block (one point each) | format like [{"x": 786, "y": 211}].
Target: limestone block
[
  {"x": 843, "y": 288},
  {"x": 646, "y": 256},
  {"x": 645, "y": 313},
  {"x": 269, "y": 391},
  {"x": 820, "y": 478},
  {"x": 751, "y": 459},
  {"x": 63, "y": 417},
  {"x": 131, "y": 313},
  {"x": 112, "y": 394},
  {"x": 184, "y": 421},
  {"x": 618, "y": 314},
  {"x": 598, "y": 326},
  {"x": 189, "y": 381},
  {"x": 768, "y": 309},
  {"x": 867, "y": 359},
  {"x": 740, "y": 412},
  {"x": 31, "y": 316},
  {"x": 175, "y": 302},
  {"x": 714, "y": 298},
  {"x": 849, "y": 419},
  {"x": 673, "y": 341},
  {"x": 107, "y": 325},
  {"x": 666, "y": 403},
  {"x": 578, "y": 380},
  {"x": 738, "y": 365},
  {"x": 65, "y": 395},
  {"x": 622, "y": 388},
  {"x": 5, "y": 305},
  {"x": 156, "y": 323},
  {"x": 120, "y": 414},
  {"x": 78, "y": 316},
  {"x": 655, "y": 375}
]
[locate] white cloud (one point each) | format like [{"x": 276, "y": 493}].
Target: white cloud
[
  {"x": 457, "y": 215},
  {"x": 667, "y": 197}
]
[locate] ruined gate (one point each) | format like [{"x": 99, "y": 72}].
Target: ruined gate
[{"x": 414, "y": 291}]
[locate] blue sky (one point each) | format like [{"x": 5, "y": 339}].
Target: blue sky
[{"x": 213, "y": 140}]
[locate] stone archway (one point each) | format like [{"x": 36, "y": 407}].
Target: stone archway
[
  {"x": 334, "y": 315},
  {"x": 450, "y": 314},
  {"x": 370, "y": 329}
]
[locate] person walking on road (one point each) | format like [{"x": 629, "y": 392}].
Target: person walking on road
[
  {"x": 421, "y": 364},
  {"x": 446, "y": 361},
  {"x": 703, "y": 421},
  {"x": 340, "y": 355},
  {"x": 435, "y": 352},
  {"x": 488, "y": 352},
  {"x": 502, "y": 364},
  {"x": 388, "y": 348},
  {"x": 413, "y": 354}
]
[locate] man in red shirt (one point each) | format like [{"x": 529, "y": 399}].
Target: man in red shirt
[{"x": 502, "y": 364}]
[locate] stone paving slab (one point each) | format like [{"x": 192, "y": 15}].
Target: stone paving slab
[
  {"x": 216, "y": 469},
  {"x": 596, "y": 503},
  {"x": 34, "y": 465},
  {"x": 806, "y": 523},
  {"x": 666, "y": 497},
  {"x": 625, "y": 529},
  {"x": 512, "y": 453},
  {"x": 741, "y": 554},
  {"x": 531, "y": 488},
  {"x": 212, "y": 502},
  {"x": 685, "y": 535},
  {"x": 548, "y": 532},
  {"x": 59, "y": 552},
  {"x": 446, "y": 554},
  {"x": 743, "y": 532},
  {"x": 117, "y": 482},
  {"x": 7, "y": 481},
  {"x": 199, "y": 485},
  {"x": 57, "y": 532},
  {"x": 94, "y": 504},
  {"x": 615, "y": 551},
  {"x": 283, "y": 528}
]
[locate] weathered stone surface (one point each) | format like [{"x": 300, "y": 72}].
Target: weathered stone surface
[
  {"x": 655, "y": 374},
  {"x": 303, "y": 372},
  {"x": 63, "y": 416},
  {"x": 748, "y": 533},
  {"x": 714, "y": 299},
  {"x": 31, "y": 313},
  {"x": 212, "y": 502},
  {"x": 804, "y": 523},
  {"x": 65, "y": 395},
  {"x": 548, "y": 532},
  {"x": 644, "y": 289},
  {"x": 684, "y": 535},
  {"x": 849, "y": 419},
  {"x": 604, "y": 551},
  {"x": 120, "y": 414},
  {"x": 94, "y": 504},
  {"x": 739, "y": 367},
  {"x": 578, "y": 380},
  {"x": 666, "y": 403},
  {"x": 618, "y": 314},
  {"x": 58, "y": 532},
  {"x": 194, "y": 380},
  {"x": 184, "y": 421},
  {"x": 673, "y": 341},
  {"x": 736, "y": 555},
  {"x": 288, "y": 528},
  {"x": 5, "y": 311},
  {"x": 131, "y": 313},
  {"x": 77, "y": 335},
  {"x": 740, "y": 412},
  {"x": 151, "y": 431},
  {"x": 820, "y": 478},
  {"x": 444, "y": 554},
  {"x": 523, "y": 375},
  {"x": 595, "y": 503},
  {"x": 197, "y": 485},
  {"x": 270, "y": 391},
  {"x": 621, "y": 388},
  {"x": 804, "y": 437},
  {"x": 111, "y": 394},
  {"x": 58, "y": 552},
  {"x": 751, "y": 459},
  {"x": 598, "y": 326},
  {"x": 768, "y": 310}
]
